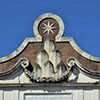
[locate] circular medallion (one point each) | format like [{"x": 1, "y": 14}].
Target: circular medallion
[{"x": 48, "y": 25}]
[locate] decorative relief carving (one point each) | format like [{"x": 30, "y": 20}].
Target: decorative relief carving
[
  {"x": 73, "y": 62},
  {"x": 48, "y": 27},
  {"x": 48, "y": 24},
  {"x": 49, "y": 62},
  {"x": 49, "y": 65}
]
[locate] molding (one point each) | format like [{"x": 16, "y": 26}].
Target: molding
[
  {"x": 20, "y": 49},
  {"x": 57, "y": 85},
  {"x": 48, "y": 15},
  {"x": 83, "y": 53},
  {"x": 77, "y": 48},
  {"x": 61, "y": 39},
  {"x": 13, "y": 70},
  {"x": 73, "y": 62}
]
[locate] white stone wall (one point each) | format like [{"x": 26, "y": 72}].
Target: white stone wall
[
  {"x": 76, "y": 77},
  {"x": 76, "y": 94}
]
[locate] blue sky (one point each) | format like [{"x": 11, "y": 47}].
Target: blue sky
[{"x": 81, "y": 19}]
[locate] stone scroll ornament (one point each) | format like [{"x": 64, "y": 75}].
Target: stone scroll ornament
[{"x": 49, "y": 66}]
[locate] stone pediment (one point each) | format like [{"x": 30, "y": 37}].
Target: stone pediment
[{"x": 49, "y": 57}]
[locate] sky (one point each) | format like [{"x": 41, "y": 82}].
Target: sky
[{"x": 81, "y": 19}]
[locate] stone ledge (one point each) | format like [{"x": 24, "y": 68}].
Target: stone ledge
[{"x": 67, "y": 85}]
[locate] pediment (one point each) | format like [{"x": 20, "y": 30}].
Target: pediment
[{"x": 49, "y": 57}]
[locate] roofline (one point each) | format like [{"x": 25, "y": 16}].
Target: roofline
[
  {"x": 62, "y": 39},
  {"x": 20, "y": 49},
  {"x": 77, "y": 48}
]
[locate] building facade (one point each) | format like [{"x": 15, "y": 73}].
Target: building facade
[{"x": 49, "y": 67}]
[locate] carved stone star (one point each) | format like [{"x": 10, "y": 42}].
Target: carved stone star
[{"x": 48, "y": 28}]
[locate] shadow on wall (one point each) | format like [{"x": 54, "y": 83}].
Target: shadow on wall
[{"x": 76, "y": 73}]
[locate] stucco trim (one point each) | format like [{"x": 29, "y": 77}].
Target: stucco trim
[
  {"x": 77, "y": 48},
  {"x": 20, "y": 49},
  {"x": 63, "y": 39},
  {"x": 13, "y": 70},
  {"x": 44, "y": 85}
]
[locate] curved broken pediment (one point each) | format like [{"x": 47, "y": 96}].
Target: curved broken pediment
[{"x": 49, "y": 57}]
